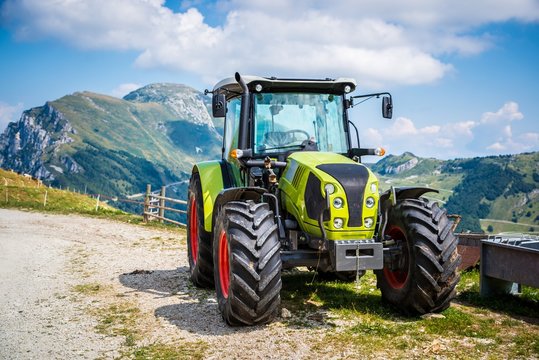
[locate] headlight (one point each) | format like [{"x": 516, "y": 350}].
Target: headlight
[
  {"x": 338, "y": 202},
  {"x": 338, "y": 223},
  {"x": 369, "y": 202},
  {"x": 330, "y": 188},
  {"x": 258, "y": 87},
  {"x": 368, "y": 222},
  {"x": 374, "y": 188},
  {"x": 347, "y": 89}
]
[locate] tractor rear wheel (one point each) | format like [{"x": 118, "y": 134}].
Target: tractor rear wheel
[
  {"x": 199, "y": 250},
  {"x": 424, "y": 278},
  {"x": 246, "y": 254}
]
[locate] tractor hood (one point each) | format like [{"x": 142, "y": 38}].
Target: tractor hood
[{"x": 352, "y": 189}]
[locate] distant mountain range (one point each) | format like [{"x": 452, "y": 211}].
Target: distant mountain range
[
  {"x": 494, "y": 194},
  {"x": 110, "y": 146},
  {"x": 113, "y": 146}
]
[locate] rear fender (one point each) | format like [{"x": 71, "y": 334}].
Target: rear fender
[{"x": 213, "y": 179}]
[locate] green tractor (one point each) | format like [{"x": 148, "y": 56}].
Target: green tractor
[{"x": 290, "y": 191}]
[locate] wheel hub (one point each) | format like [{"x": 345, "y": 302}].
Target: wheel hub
[
  {"x": 224, "y": 265},
  {"x": 193, "y": 229},
  {"x": 397, "y": 259}
]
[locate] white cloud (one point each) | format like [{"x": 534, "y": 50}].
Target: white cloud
[
  {"x": 374, "y": 136},
  {"x": 492, "y": 134},
  {"x": 380, "y": 43},
  {"x": 124, "y": 89},
  {"x": 402, "y": 127},
  {"x": 496, "y": 147},
  {"x": 509, "y": 111},
  {"x": 9, "y": 113}
]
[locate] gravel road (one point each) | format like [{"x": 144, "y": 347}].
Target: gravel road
[{"x": 64, "y": 279}]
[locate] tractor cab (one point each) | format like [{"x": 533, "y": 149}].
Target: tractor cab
[{"x": 282, "y": 116}]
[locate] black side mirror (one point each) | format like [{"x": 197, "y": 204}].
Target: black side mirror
[
  {"x": 387, "y": 107},
  {"x": 218, "y": 105}
]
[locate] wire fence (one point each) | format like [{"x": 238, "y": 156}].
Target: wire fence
[{"x": 153, "y": 205}]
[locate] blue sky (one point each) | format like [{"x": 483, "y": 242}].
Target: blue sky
[{"x": 463, "y": 74}]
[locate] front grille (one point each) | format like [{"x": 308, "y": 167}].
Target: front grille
[{"x": 353, "y": 178}]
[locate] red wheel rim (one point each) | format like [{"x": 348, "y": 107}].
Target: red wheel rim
[
  {"x": 224, "y": 265},
  {"x": 193, "y": 229},
  {"x": 396, "y": 279}
]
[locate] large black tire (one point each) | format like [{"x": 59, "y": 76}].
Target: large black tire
[
  {"x": 246, "y": 254},
  {"x": 428, "y": 276},
  {"x": 199, "y": 248}
]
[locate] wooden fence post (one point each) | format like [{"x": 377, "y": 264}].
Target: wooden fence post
[
  {"x": 97, "y": 203},
  {"x": 162, "y": 204},
  {"x": 145, "y": 217},
  {"x": 45, "y": 199},
  {"x": 5, "y": 184}
]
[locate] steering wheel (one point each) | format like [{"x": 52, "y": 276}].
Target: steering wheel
[
  {"x": 284, "y": 138},
  {"x": 298, "y": 131}
]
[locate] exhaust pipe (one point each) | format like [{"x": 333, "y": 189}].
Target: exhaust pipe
[{"x": 244, "y": 115}]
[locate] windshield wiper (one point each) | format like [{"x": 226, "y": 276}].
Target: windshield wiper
[{"x": 301, "y": 146}]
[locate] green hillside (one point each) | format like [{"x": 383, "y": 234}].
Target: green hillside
[
  {"x": 492, "y": 194},
  {"x": 21, "y": 192},
  {"x": 500, "y": 188},
  {"x": 144, "y": 130}
]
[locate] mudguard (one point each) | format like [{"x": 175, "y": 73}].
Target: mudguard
[
  {"x": 406, "y": 192},
  {"x": 239, "y": 193},
  {"x": 390, "y": 198},
  {"x": 213, "y": 179}
]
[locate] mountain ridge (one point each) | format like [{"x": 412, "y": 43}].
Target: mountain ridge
[{"x": 153, "y": 135}]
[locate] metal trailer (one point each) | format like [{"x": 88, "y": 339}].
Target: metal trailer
[{"x": 507, "y": 262}]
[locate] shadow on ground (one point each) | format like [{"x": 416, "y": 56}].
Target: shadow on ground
[
  {"x": 306, "y": 301},
  {"x": 162, "y": 283},
  {"x": 195, "y": 309},
  {"x": 308, "y": 297},
  {"x": 512, "y": 305}
]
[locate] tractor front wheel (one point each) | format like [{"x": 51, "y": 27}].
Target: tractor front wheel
[
  {"x": 423, "y": 276},
  {"x": 199, "y": 250},
  {"x": 247, "y": 259}
]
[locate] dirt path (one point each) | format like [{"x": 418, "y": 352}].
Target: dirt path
[
  {"x": 75, "y": 287},
  {"x": 81, "y": 288}
]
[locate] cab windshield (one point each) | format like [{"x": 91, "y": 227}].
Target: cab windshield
[{"x": 288, "y": 121}]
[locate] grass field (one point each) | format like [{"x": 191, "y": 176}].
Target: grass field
[{"x": 473, "y": 327}]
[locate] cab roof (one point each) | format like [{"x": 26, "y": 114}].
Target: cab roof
[{"x": 271, "y": 84}]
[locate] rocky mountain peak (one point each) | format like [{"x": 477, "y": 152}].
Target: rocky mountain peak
[
  {"x": 396, "y": 164},
  {"x": 40, "y": 130},
  {"x": 183, "y": 101}
]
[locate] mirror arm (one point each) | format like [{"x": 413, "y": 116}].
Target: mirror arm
[{"x": 369, "y": 96}]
